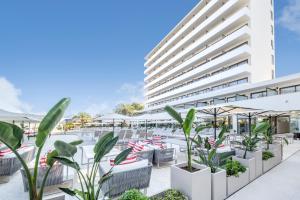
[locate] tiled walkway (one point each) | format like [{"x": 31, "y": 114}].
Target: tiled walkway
[{"x": 280, "y": 183}]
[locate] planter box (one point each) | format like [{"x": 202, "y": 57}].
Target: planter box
[
  {"x": 196, "y": 185},
  {"x": 276, "y": 149},
  {"x": 218, "y": 185},
  {"x": 236, "y": 183},
  {"x": 269, "y": 164},
  {"x": 249, "y": 163},
  {"x": 258, "y": 161}
]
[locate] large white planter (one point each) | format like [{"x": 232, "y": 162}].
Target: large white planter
[
  {"x": 249, "y": 163},
  {"x": 276, "y": 149},
  {"x": 218, "y": 185},
  {"x": 258, "y": 161},
  {"x": 269, "y": 164},
  {"x": 196, "y": 185},
  {"x": 236, "y": 183}
]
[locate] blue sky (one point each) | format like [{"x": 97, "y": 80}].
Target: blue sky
[{"x": 93, "y": 51}]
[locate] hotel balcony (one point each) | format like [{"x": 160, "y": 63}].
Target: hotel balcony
[{"x": 227, "y": 12}]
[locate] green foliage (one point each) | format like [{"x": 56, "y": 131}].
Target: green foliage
[
  {"x": 129, "y": 109},
  {"x": 49, "y": 122},
  {"x": 133, "y": 195},
  {"x": 207, "y": 153},
  {"x": 250, "y": 144},
  {"x": 266, "y": 155},
  {"x": 89, "y": 187},
  {"x": 171, "y": 194},
  {"x": 186, "y": 126},
  {"x": 12, "y": 137},
  {"x": 233, "y": 168}
]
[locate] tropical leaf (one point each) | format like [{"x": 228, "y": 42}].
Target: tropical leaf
[
  {"x": 200, "y": 128},
  {"x": 262, "y": 127},
  {"x": 67, "y": 162},
  {"x": 50, "y": 157},
  {"x": 105, "y": 149},
  {"x": 173, "y": 113},
  {"x": 51, "y": 120},
  {"x": 76, "y": 142},
  {"x": 103, "y": 140},
  {"x": 65, "y": 149},
  {"x": 7, "y": 135},
  {"x": 188, "y": 122},
  {"x": 122, "y": 156},
  {"x": 68, "y": 191}
]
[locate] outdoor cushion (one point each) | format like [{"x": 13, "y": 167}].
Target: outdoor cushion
[
  {"x": 120, "y": 168},
  {"x": 130, "y": 159}
]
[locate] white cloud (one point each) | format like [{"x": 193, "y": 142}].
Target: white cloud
[
  {"x": 10, "y": 97},
  {"x": 290, "y": 17},
  {"x": 132, "y": 92}
]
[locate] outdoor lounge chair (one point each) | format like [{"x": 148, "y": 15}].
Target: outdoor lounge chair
[
  {"x": 10, "y": 164},
  {"x": 55, "y": 176},
  {"x": 164, "y": 155},
  {"x": 125, "y": 177},
  {"x": 147, "y": 154}
]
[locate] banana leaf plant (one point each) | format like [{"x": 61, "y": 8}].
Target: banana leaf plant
[
  {"x": 12, "y": 136},
  {"x": 207, "y": 152},
  {"x": 89, "y": 186},
  {"x": 265, "y": 130},
  {"x": 186, "y": 125}
]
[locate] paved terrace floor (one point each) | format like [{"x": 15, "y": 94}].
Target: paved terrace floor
[
  {"x": 283, "y": 182},
  {"x": 280, "y": 183}
]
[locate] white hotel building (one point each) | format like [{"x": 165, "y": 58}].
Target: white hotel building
[{"x": 221, "y": 52}]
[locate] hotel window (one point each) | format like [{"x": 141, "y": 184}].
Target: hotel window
[
  {"x": 287, "y": 90},
  {"x": 258, "y": 94},
  {"x": 231, "y": 99}
]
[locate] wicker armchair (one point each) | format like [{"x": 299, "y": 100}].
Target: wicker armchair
[
  {"x": 129, "y": 178},
  {"x": 148, "y": 154},
  {"x": 164, "y": 155},
  {"x": 55, "y": 176},
  {"x": 10, "y": 164}
]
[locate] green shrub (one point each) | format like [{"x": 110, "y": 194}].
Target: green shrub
[
  {"x": 266, "y": 155},
  {"x": 171, "y": 195},
  {"x": 233, "y": 168},
  {"x": 133, "y": 195}
]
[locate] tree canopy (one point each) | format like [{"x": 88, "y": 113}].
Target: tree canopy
[{"x": 129, "y": 109}]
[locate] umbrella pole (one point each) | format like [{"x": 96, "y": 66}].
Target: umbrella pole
[
  {"x": 146, "y": 130},
  {"x": 215, "y": 123},
  {"x": 249, "y": 124}
]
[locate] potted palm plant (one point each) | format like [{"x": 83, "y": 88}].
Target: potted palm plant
[
  {"x": 12, "y": 136},
  {"x": 270, "y": 145},
  {"x": 89, "y": 186},
  {"x": 249, "y": 144},
  {"x": 192, "y": 179},
  {"x": 207, "y": 156}
]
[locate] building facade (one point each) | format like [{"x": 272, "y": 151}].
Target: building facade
[{"x": 221, "y": 52}]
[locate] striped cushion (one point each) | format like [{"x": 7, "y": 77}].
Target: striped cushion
[
  {"x": 8, "y": 151},
  {"x": 212, "y": 142},
  {"x": 130, "y": 159},
  {"x": 131, "y": 144},
  {"x": 138, "y": 147},
  {"x": 43, "y": 161}
]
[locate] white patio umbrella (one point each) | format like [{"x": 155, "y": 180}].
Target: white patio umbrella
[
  {"x": 219, "y": 110},
  {"x": 113, "y": 117}
]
